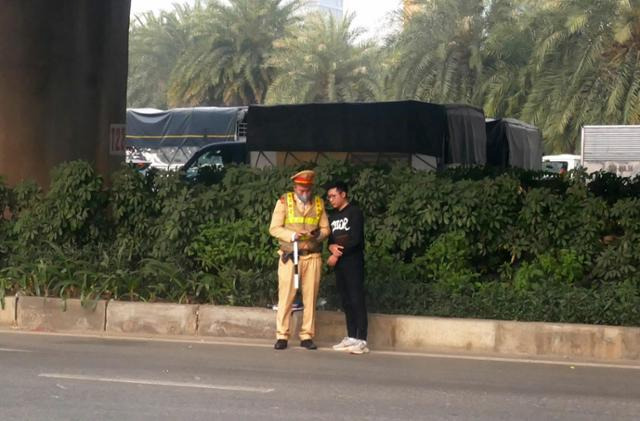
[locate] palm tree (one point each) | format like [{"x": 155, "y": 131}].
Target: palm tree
[
  {"x": 438, "y": 55},
  {"x": 586, "y": 69},
  {"x": 227, "y": 61},
  {"x": 557, "y": 64},
  {"x": 156, "y": 43},
  {"x": 509, "y": 28},
  {"x": 323, "y": 62}
]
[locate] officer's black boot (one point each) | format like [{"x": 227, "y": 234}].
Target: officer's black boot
[
  {"x": 280, "y": 344},
  {"x": 308, "y": 343}
]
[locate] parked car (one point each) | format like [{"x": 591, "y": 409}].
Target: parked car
[
  {"x": 560, "y": 164},
  {"x": 215, "y": 156}
]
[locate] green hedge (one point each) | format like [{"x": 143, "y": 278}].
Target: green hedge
[{"x": 468, "y": 242}]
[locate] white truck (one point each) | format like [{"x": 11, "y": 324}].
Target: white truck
[
  {"x": 614, "y": 149},
  {"x": 560, "y": 163}
]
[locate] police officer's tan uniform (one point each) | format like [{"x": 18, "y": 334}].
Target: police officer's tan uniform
[{"x": 290, "y": 216}]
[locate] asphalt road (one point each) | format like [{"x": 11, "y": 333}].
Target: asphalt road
[{"x": 51, "y": 377}]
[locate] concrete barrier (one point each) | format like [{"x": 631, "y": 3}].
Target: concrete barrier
[
  {"x": 151, "y": 318},
  {"x": 413, "y": 332},
  {"x": 55, "y": 314},
  {"x": 382, "y": 331},
  {"x": 424, "y": 334},
  {"x": 260, "y": 323},
  {"x": 8, "y": 313},
  {"x": 330, "y": 327},
  {"x": 584, "y": 341},
  {"x": 631, "y": 343},
  {"x": 242, "y": 322},
  {"x": 239, "y": 322},
  {"x": 386, "y": 332},
  {"x": 430, "y": 332}
]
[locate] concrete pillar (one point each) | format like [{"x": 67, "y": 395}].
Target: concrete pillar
[{"x": 63, "y": 75}]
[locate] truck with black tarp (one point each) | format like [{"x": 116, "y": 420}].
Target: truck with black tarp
[
  {"x": 422, "y": 134},
  {"x": 513, "y": 143},
  {"x": 169, "y": 138}
]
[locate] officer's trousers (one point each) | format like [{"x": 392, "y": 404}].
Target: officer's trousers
[{"x": 310, "y": 269}]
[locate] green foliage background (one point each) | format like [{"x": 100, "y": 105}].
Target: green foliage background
[{"x": 468, "y": 242}]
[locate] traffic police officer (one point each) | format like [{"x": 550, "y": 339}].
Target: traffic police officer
[{"x": 299, "y": 216}]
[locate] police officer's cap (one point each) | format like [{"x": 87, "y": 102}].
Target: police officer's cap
[{"x": 304, "y": 178}]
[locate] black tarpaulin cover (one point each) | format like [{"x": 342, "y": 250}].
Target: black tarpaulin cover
[
  {"x": 197, "y": 126},
  {"x": 513, "y": 143},
  {"x": 403, "y": 127},
  {"x": 453, "y": 132},
  {"x": 466, "y": 135}
]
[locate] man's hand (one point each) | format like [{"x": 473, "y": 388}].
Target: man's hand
[
  {"x": 332, "y": 260},
  {"x": 300, "y": 234},
  {"x": 336, "y": 250}
]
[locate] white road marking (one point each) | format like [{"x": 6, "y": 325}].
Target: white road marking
[
  {"x": 155, "y": 383},
  {"x": 13, "y": 350}
]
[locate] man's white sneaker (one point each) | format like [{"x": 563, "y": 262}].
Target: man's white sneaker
[
  {"x": 359, "y": 348},
  {"x": 346, "y": 343}
]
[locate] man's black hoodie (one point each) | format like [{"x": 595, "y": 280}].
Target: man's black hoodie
[{"x": 347, "y": 230}]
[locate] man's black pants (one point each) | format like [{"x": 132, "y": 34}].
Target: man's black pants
[{"x": 350, "y": 283}]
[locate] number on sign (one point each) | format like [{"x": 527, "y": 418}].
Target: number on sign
[{"x": 117, "y": 137}]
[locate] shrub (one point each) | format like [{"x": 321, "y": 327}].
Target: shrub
[{"x": 466, "y": 242}]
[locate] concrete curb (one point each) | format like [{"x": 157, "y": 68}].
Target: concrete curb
[
  {"x": 240, "y": 322},
  {"x": 8, "y": 313},
  {"x": 573, "y": 340},
  {"x": 386, "y": 332},
  {"x": 151, "y": 318},
  {"x": 55, "y": 314}
]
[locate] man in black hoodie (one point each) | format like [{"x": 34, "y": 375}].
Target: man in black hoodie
[{"x": 346, "y": 244}]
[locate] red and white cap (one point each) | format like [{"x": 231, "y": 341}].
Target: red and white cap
[{"x": 304, "y": 178}]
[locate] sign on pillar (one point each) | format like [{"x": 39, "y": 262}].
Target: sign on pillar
[{"x": 117, "y": 136}]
